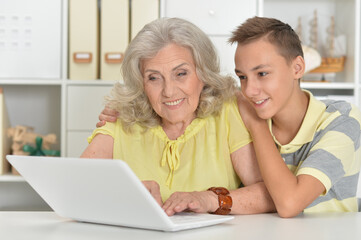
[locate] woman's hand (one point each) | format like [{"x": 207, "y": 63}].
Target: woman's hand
[
  {"x": 153, "y": 188},
  {"x": 199, "y": 202},
  {"x": 107, "y": 115}
]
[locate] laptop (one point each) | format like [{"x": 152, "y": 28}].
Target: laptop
[{"x": 102, "y": 191}]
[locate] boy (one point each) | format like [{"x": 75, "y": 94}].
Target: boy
[{"x": 315, "y": 163}]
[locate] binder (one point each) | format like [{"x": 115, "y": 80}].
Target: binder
[
  {"x": 5, "y": 141},
  {"x": 83, "y": 40},
  {"x": 143, "y": 12},
  {"x": 114, "y": 37}
]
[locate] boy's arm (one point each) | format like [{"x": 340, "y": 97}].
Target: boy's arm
[{"x": 291, "y": 194}]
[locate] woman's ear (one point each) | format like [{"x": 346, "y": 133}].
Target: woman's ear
[{"x": 298, "y": 65}]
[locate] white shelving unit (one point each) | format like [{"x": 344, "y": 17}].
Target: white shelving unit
[
  {"x": 11, "y": 178},
  {"x": 59, "y": 105},
  {"x": 44, "y": 104},
  {"x": 347, "y": 21},
  {"x": 217, "y": 18},
  {"x": 207, "y": 14}
]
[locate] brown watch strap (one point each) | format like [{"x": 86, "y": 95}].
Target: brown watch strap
[{"x": 224, "y": 200}]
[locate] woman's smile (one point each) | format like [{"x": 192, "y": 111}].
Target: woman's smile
[{"x": 174, "y": 103}]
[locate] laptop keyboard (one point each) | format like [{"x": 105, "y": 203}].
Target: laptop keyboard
[{"x": 183, "y": 217}]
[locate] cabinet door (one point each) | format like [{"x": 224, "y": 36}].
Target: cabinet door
[
  {"x": 225, "y": 52},
  {"x": 215, "y": 17},
  {"x": 84, "y": 103},
  {"x": 76, "y": 142},
  {"x": 20, "y": 196},
  {"x": 30, "y": 39}
]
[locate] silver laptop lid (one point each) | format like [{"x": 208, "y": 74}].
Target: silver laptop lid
[{"x": 92, "y": 190}]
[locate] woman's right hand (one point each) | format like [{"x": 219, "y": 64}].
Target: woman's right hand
[
  {"x": 154, "y": 189},
  {"x": 199, "y": 202},
  {"x": 107, "y": 115}
]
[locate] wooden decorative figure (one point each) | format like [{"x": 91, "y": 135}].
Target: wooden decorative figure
[
  {"x": 299, "y": 29},
  {"x": 38, "y": 150},
  {"x": 330, "y": 63},
  {"x": 22, "y": 135},
  {"x": 314, "y": 31},
  {"x": 331, "y": 38}
]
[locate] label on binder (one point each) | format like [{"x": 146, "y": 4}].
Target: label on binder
[
  {"x": 82, "y": 57},
  {"x": 113, "y": 57}
]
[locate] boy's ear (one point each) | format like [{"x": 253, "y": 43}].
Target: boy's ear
[{"x": 298, "y": 67}]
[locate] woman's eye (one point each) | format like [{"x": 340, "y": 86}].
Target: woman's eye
[
  {"x": 180, "y": 74},
  {"x": 152, "y": 78}
]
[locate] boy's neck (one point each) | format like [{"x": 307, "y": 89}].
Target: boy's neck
[{"x": 287, "y": 123}]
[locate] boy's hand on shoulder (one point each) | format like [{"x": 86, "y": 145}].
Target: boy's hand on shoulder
[{"x": 107, "y": 115}]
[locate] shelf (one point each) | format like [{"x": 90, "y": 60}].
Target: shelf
[
  {"x": 52, "y": 82},
  {"x": 304, "y": 1},
  {"x": 30, "y": 82},
  {"x": 11, "y": 178},
  {"x": 328, "y": 85},
  {"x": 91, "y": 82}
]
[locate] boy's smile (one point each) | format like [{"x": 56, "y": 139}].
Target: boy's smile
[{"x": 267, "y": 79}]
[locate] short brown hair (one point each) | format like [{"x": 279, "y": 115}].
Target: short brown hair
[{"x": 276, "y": 32}]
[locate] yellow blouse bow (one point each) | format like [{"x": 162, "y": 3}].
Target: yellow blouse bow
[{"x": 171, "y": 156}]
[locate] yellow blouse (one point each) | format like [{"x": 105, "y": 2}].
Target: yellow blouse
[{"x": 195, "y": 161}]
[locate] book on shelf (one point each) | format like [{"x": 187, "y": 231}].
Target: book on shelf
[{"x": 5, "y": 141}]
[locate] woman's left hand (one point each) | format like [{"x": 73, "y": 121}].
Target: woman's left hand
[
  {"x": 153, "y": 188},
  {"x": 199, "y": 202}
]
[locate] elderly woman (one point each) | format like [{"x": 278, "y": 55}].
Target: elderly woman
[{"x": 178, "y": 127}]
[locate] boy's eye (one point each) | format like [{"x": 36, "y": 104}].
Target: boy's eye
[
  {"x": 241, "y": 77},
  {"x": 262, "y": 74}
]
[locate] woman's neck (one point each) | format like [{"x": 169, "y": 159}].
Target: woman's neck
[{"x": 175, "y": 130}]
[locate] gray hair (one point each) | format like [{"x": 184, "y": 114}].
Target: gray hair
[{"x": 130, "y": 99}]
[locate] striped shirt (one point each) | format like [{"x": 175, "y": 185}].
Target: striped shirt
[{"x": 327, "y": 147}]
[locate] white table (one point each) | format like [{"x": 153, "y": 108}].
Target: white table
[{"x": 49, "y": 226}]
